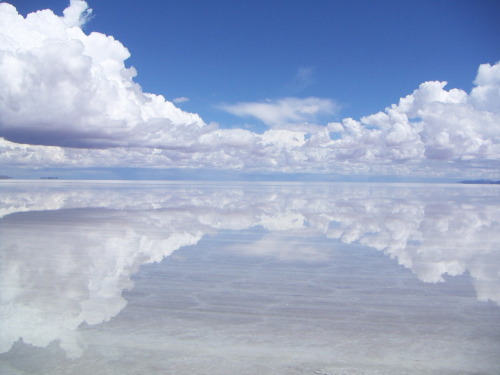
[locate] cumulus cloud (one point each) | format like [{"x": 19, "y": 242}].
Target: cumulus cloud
[
  {"x": 431, "y": 123},
  {"x": 77, "y": 14},
  {"x": 68, "y": 99},
  {"x": 60, "y": 86}
]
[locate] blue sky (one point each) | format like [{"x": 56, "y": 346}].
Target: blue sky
[
  {"x": 363, "y": 54},
  {"x": 358, "y": 56}
]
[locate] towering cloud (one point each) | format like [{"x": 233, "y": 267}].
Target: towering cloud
[
  {"x": 62, "y": 87},
  {"x": 437, "y": 124},
  {"x": 67, "y": 98}
]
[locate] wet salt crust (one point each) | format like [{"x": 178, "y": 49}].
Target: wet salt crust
[{"x": 194, "y": 278}]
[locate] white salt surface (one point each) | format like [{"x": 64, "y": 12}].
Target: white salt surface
[{"x": 178, "y": 278}]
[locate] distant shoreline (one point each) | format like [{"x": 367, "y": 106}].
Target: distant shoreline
[
  {"x": 480, "y": 182},
  {"x": 467, "y": 182}
]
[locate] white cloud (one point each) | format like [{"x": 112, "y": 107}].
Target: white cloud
[
  {"x": 430, "y": 124},
  {"x": 61, "y": 88},
  {"x": 181, "y": 99},
  {"x": 282, "y": 112},
  {"x": 486, "y": 95},
  {"x": 302, "y": 79},
  {"x": 77, "y": 13}
]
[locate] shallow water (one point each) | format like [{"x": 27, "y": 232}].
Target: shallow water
[{"x": 206, "y": 278}]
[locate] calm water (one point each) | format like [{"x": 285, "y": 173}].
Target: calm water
[{"x": 193, "y": 278}]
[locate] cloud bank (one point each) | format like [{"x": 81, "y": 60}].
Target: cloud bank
[{"x": 67, "y": 99}]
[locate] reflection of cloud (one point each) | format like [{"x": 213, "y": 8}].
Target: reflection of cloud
[
  {"x": 283, "y": 247},
  {"x": 89, "y": 259},
  {"x": 106, "y": 231},
  {"x": 433, "y": 234}
]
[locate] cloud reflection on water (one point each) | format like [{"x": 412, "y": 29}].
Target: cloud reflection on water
[{"x": 68, "y": 251}]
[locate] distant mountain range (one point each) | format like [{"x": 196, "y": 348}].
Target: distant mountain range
[{"x": 479, "y": 182}]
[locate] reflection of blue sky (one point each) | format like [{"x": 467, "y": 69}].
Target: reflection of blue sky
[{"x": 68, "y": 252}]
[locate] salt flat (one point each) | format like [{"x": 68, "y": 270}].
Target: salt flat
[{"x": 249, "y": 278}]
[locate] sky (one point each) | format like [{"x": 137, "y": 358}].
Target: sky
[{"x": 335, "y": 90}]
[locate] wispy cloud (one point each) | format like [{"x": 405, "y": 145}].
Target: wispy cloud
[
  {"x": 304, "y": 77},
  {"x": 284, "y": 111},
  {"x": 181, "y": 99}
]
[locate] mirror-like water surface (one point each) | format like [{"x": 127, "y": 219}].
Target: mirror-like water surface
[{"x": 193, "y": 278}]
